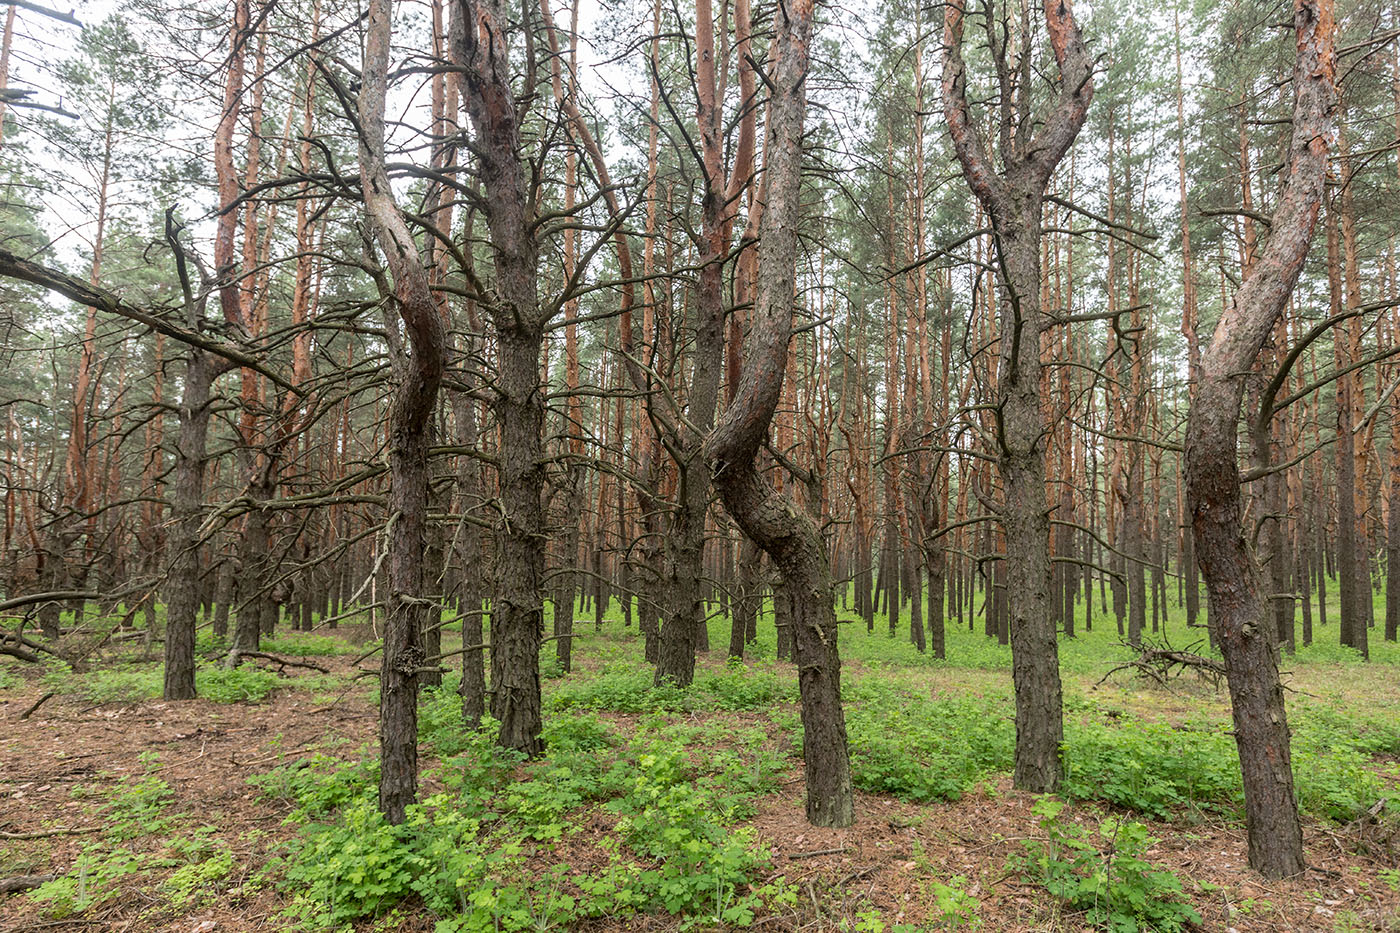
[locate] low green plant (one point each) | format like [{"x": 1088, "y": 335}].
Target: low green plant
[
  {"x": 114, "y": 686},
  {"x": 953, "y": 907},
  {"x": 137, "y": 806},
  {"x": 318, "y": 784},
  {"x": 683, "y": 826},
  {"x": 921, "y": 748},
  {"x": 197, "y": 882},
  {"x": 91, "y": 880},
  {"x": 305, "y": 644},
  {"x": 1104, "y": 875},
  {"x": 244, "y": 683},
  {"x": 1152, "y": 768}
]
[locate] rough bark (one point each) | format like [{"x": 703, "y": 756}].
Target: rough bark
[
  {"x": 1014, "y": 200},
  {"x": 417, "y": 375},
  {"x": 1238, "y": 611},
  {"x": 769, "y": 518},
  {"x": 182, "y": 595},
  {"x": 480, "y": 41}
]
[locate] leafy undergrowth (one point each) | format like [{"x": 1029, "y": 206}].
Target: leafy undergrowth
[
  {"x": 1105, "y": 875},
  {"x": 674, "y": 846},
  {"x": 212, "y": 682},
  {"x": 654, "y": 805}
]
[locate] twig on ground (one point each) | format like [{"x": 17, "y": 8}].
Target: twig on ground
[
  {"x": 46, "y": 833},
  {"x": 798, "y": 855},
  {"x": 37, "y": 703}
]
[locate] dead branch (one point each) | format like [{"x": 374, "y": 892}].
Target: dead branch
[{"x": 1163, "y": 664}]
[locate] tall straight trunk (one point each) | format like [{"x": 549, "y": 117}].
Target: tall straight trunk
[
  {"x": 223, "y": 592},
  {"x": 182, "y": 596},
  {"x": 467, "y": 547},
  {"x": 916, "y": 604},
  {"x": 1352, "y": 619},
  {"x": 1392, "y": 590},
  {"x": 746, "y": 599},
  {"x": 1014, "y": 201},
  {"x": 1360, "y": 442},
  {"x": 566, "y": 581},
  {"x": 1392, "y": 536},
  {"x": 1238, "y": 613},
  {"x": 516, "y": 604}
]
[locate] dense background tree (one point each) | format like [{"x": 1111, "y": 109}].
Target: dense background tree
[{"x": 668, "y": 313}]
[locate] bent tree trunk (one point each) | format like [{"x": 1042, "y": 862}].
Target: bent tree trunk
[
  {"x": 1239, "y": 614},
  {"x": 770, "y": 519},
  {"x": 417, "y": 375}
]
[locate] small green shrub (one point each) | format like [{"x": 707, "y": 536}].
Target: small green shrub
[
  {"x": 682, "y": 826},
  {"x": 197, "y": 883},
  {"x": 349, "y": 869},
  {"x": 115, "y": 686},
  {"x": 1151, "y": 768},
  {"x": 954, "y": 908},
  {"x": 578, "y": 732},
  {"x": 306, "y": 645},
  {"x": 923, "y": 749},
  {"x": 91, "y": 881},
  {"x": 746, "y": 687},
  {"x": 244, "y": 683},
  {"x": 627, "y": 687},
  {"x": 1106, "y": 878},
  {"x": 137, "y": 806},
  {"x": 318, "y": 784}
]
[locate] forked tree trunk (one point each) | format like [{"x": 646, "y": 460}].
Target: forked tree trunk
[
  {"x": 1014, "y": 200},
  {"x": 480, "y": 45},
  {"x": 770, "y": 519},
  {"x": 1238, "y": 611}
]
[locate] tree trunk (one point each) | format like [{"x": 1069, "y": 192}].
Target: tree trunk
[
  {"x": 745, "y": 602},
  {"x": 774, "y": 523},
  {"x": 1014, "y": 202},
  {"x": 1238, "y": 613},
  {"x": 182, "y": 597},
  {"x": 414, "y": 394},
  {"x": 481, "y": 46}
]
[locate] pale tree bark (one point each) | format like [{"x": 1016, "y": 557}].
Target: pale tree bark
[
  {"x": 1238, "y": 611},
  {"x": 1014, "y": 199},
  {"x": 773, "y": 521},
  {"x": 417, "y": 376}
]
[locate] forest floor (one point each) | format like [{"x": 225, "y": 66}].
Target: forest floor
[{"x": 659, "y": 809}]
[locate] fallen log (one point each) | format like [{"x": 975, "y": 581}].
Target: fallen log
[{"x": 18, "y": 883}]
